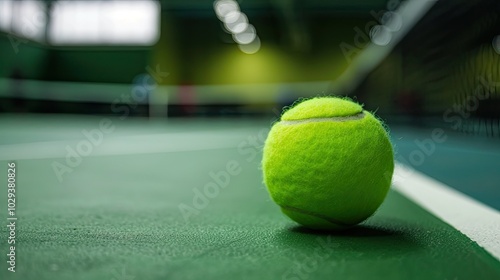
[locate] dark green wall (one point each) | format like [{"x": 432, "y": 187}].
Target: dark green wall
[
  {"x": 36, "y": 61},
  {"x": 99, "y": 65},
  {"x": 27, "y": 58}
]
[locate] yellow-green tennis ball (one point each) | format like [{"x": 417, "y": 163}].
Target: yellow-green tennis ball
[{"x": 328, "y": 163}]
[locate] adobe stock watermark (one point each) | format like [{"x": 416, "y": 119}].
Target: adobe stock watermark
[
  {"x": 253, "y": 145},
  {"x": 139, "y": 93},
  {"x": 311, "y": 263},
  {"x": 379, "y": 31},
  {"x": 251, "y": 148},
  {"x": 417, "y": 157},
  {"x": 95, "y": 137},
  {"x": 454, "y": 115},
  {"x": 31, "y": 25},
  {"x": 458, "y": 113},
  {"x": 202, "y": 196},
  {"x": 74, "y": 155}
]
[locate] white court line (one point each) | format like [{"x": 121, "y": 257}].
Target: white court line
[
  {"x": 477, "y": 221},
  {"x": 128, "y": 145}
]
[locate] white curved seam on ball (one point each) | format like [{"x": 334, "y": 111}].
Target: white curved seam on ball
[{"x": 358, "y": 116}]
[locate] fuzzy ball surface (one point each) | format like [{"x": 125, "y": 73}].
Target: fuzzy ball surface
[{"x": 328, "y": 163}]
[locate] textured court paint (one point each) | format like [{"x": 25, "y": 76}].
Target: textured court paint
[
  {"x": 118, "y": 214},
  {"x": 478, "y": 221}
]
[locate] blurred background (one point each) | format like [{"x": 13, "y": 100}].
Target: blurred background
[
  {"x": 414, "y": 62},
  {"x": 121, "y": 117}
]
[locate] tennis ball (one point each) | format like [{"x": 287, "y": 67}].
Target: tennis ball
[{"x": 328, "y": 163}]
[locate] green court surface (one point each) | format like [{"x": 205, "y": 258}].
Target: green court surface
[{"x": 136, "y": 206}]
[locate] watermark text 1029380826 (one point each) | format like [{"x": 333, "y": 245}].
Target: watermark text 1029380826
[{"x": 11, "y": 217}]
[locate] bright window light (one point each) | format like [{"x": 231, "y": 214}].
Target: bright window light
[
  {"x": 105, "y": 23},
  {"x": 5, "y": 14},
  {"x": 26, "y": 19}
]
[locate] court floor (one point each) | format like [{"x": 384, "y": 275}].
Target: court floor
[{"x": 105, "y": 198}]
